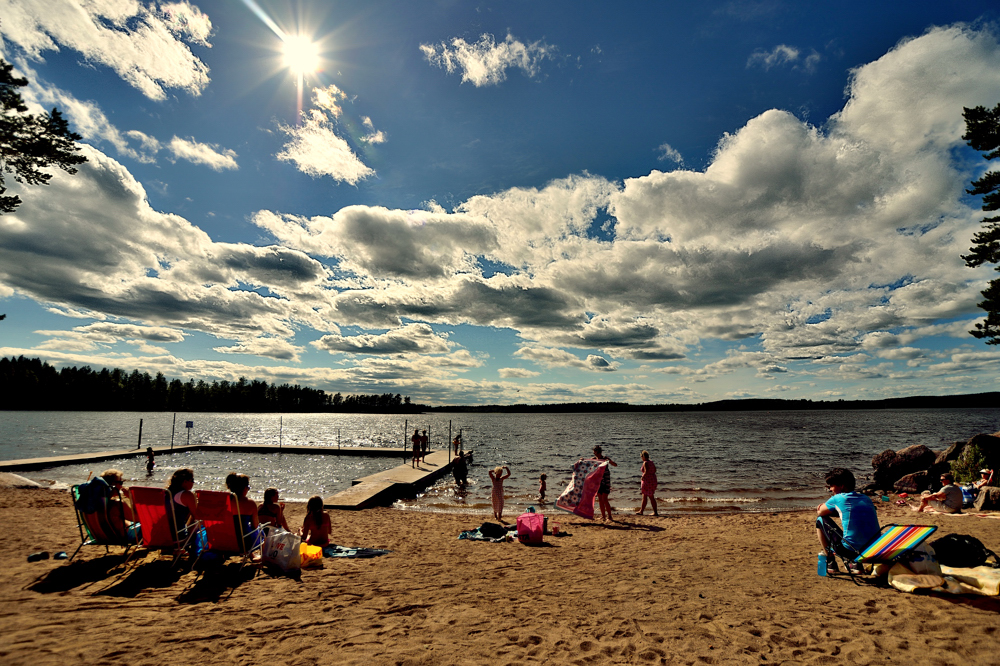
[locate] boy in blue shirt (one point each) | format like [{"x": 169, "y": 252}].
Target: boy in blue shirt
[{"x": 857, "y": 515}]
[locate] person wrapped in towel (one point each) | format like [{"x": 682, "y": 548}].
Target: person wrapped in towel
[
  {"x": 578, "y": 498},
  {"x": 857, "y": 516}
]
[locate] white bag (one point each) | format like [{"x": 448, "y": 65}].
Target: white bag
[{"x": 281, "y": 549}]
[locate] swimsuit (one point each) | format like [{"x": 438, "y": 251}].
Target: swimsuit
[{"x": 605, "y": 480}]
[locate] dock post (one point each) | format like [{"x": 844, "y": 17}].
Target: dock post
[
  {"x": 172, "y": 429},
  {"x": 406, "y": 429},
  {"x": 449, "y": 439},
  {"x": 139, "y": 445},
  {"x": 281, "y": 427},
  {"x": 338, "y": 439}
]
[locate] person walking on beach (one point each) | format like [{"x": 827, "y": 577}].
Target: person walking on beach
[
  {"x": 497, "y": 477},
  {"x": 647, "y": 484},
  {"x": 857, "y": 515},
  {"x": 605, "y": 489},
  {"x": 415, "y": 441}
]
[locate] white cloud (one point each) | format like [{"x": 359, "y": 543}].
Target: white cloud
[
  {"x": 144, "y": 46},
  {"x": 783, "y": 54},
  {"x": 517, "y": 373},
  {"x": 558, "y": 358},
  {"x": 486, "y": 62},
  {"x": 267, "y": 347},
  {"x": 315, "y": 147},
  {"x": 668, "y": 153},
  {"x": 212, "y": 156},
  {"x": 409, "y": 339}
]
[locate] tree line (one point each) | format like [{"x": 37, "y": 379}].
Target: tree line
[{"x": 31, "y": 384}]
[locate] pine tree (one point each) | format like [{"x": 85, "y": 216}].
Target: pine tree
[
  {"x": 982, "y": 132},
  {"x": 30, "y": 142}
]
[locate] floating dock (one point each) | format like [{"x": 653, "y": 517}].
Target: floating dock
[{"x": 379, "y": 489}]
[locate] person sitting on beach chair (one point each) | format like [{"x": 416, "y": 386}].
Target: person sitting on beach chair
[
  {"x": 239, "y": 485},
  {"x": 985, "y": 479},
  {"x": 120, "y": 518},
  {"x": 946, "y": 500},
  {"x": 857, "y": 515}
]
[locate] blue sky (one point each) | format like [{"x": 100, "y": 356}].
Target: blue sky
[{"x": 509, "y": 202}]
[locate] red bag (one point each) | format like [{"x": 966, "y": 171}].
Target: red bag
[{"x": 530, "y": 527}]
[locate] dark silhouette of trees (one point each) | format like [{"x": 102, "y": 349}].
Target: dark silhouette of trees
[
  {"x": 29, "y": 142},
  {"x": 982, "y": 132},
  {"x": 30, "y": 384}
]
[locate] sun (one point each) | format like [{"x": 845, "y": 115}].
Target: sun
[{"x": 301, "y": 54}]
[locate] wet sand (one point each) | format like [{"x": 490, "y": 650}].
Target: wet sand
[{"x": 729, "y": 589}]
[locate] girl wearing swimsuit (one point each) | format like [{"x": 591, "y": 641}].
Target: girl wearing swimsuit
[
  {"x": 316, "y": 526},
  {"x": 647, "y": 485}
]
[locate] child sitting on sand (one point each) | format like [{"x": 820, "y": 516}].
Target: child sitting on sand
[
  {"x": 497, "y": 477},
  {"x": 271, "y": 511},
  {"x": 316, "y": 526},
  {"x": 541, "y": 488}
]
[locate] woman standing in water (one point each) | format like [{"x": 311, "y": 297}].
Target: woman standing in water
[
  {"x": 647, "y": 485},
  {"x": 605, "y": 489}
]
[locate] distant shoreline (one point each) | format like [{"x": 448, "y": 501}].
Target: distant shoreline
[
  {"x": 989, "y": 400},
  {"x": 968, "y": 401}
]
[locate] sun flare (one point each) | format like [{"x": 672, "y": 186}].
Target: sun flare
[{"x": 301, "y": 54}]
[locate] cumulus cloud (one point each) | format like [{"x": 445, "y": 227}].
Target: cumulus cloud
[
  {"x": 267, "y": 347},
  {"x": 210, "y": 155},
  {"x": 147, "y": 47},
  {"x": 91, "y": 243},
  {"x": 517, "y": 373},
  {"x": 559, "y": 358},
  {"x": 485, "y": 62},
  {"x": 409, "y": 339},
  {"x": 316, "y": 148}
]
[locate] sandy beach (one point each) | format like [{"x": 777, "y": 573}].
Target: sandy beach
[{"x": 722, "y": 589}]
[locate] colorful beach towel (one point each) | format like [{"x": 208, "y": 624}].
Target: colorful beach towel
[{"x": 578, "y": 498}]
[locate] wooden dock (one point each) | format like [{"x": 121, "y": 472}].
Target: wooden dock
[
  {"x": 83, "y": 458},
  {"x": 381, "y": 489},
  {"x": 386, "y": 487}
]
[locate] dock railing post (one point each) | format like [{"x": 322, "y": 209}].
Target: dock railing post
[
  {"x": 172, "y": 429},
  {"x": 139, "y": 445},
  {"x": 281, "y": 428},
  {"x": 449, "y": 439},
  {"x": 406, "y": 429}
]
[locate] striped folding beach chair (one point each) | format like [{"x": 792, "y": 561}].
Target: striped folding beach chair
[{"x": 894, "y": 542}]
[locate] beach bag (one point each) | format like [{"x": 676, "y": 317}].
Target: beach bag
[
  {"x": 530, "y": 527},
  {"x": 922, "y": 561},
  {"x": 312, "y": 556},
  {"x": 962, "y": 551},
  {"x": 281, "y": 549}
]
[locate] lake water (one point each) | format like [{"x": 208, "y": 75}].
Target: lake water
[{"x": 707, "y": 462}]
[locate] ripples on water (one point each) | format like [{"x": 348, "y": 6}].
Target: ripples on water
[{"x": 706, "y": 462}]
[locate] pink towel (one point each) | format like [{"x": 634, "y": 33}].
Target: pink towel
[{"x": 579, "y": 495}]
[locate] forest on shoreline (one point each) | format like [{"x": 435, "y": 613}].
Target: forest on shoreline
[{"x": 34, "y": 385}]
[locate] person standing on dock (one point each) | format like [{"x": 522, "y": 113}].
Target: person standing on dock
[
  {"x": 424, "y": 444},
  {"x": 415, "y": 441}
]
